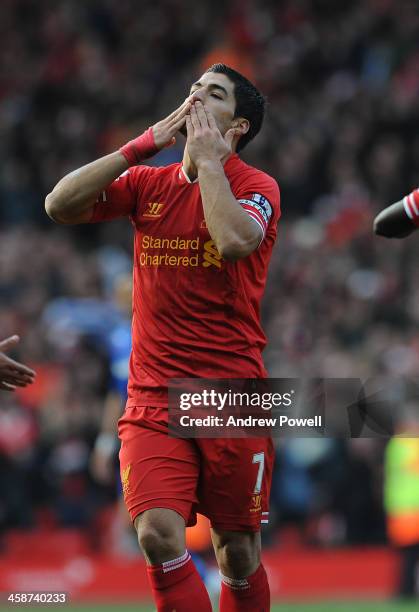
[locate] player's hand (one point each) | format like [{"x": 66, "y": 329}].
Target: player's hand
[
  {"x": 12, "y": 373},
  {"x": 205, "y": 141},
  {"x": 164, "y": 131}
]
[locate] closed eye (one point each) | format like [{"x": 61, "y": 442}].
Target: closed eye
[{"x": 213, "y": 95}]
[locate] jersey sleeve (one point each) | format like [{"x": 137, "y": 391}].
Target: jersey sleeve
[
  {"x": 259, "y": 197},
  {"x": 411, "y": 206},
  {"x": 119, "y": 199}
]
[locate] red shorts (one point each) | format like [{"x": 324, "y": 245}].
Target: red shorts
[{"x": 226, "y": 479}]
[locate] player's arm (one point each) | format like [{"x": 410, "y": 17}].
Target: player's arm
[
  {"x": 400, "y": 219},
  {"x": 74, "y": 197},
  {"x": 12, "y": 373},
  {"x": 234, "y": 232}
]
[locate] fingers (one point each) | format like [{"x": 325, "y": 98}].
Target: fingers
[
  {"x": 203, "y": 116},
  {"x": 175, "y": 127},
  {"x": 8, "y": 363},
  {"x": 206, "y": 117},
  {"x": 229, "y": 136},
  {"x": 13, "y": 382},
  {"x": 200, "y": 112},
  {"x": 15, "y": 378},
  {"x": 176, "y": 121},
  {"x": 210, "y": 119},
  {"x": 12, "y": 372},
  {"x": 165, "y": 130},
  {"x": 194, "y": 118},
  {"x": 6, "y": 387},
  {"x": 179, "y": 112},
  {"x": 189, "y": 127},
  {"x": 9, "y": 343},
  {"x": 179, "y": 109}
]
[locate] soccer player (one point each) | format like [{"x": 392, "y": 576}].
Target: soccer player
[
  {"x": 12, "y": 373},
  {"x": 400, "y": 219},
  {"x": 204, "y": 232}
]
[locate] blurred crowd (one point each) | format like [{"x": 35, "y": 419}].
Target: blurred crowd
[{"x": 78, "y": 80}]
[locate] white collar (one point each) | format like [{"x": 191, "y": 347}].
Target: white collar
[{"x": 188, "y": 180}]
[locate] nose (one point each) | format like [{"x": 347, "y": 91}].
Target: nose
[{"x": 199, "y": 94}]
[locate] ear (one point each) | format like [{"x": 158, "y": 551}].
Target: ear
[{"x": 241, "y": 125}]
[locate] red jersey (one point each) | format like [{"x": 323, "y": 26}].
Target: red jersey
[{"x": 194, "y": 314}]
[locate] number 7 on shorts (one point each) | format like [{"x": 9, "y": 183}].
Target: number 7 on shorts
[{"x": 259, "y": 458}]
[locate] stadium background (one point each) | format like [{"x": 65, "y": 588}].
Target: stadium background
[{"x": 78, "y": 79}]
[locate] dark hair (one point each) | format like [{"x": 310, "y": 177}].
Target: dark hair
[{"x": 250, "y": 103}]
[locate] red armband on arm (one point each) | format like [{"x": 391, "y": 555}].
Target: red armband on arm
[
  {"x": 139, "y": 149},
  {"x": 411, "y": 206}
]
